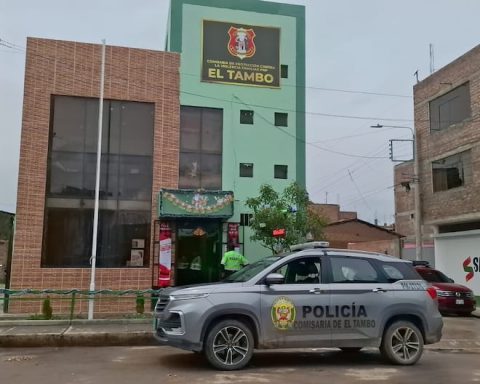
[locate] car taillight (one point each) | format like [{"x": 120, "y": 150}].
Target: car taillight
[{"x": 432, "y": 292}]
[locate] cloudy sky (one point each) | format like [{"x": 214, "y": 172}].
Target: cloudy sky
[{"x": 361, "y": 60}]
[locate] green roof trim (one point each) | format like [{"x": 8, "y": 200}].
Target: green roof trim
[{"x": 195, "y": 203}]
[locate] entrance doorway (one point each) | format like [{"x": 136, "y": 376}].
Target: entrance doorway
[{"x": 198, "y": 252}]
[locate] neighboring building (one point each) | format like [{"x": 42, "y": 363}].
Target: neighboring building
[
  {"x": 404, "y": 192},
  {"x": 56, "y": 182},
  {"x": 242, "y": 95},
  {"x": 331, "y": 212},
  {"x": 362, "y": 235},
  {"x": 447, "y": 106}
]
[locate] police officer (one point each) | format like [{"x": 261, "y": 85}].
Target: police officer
[{"x": 232, "y": 261}]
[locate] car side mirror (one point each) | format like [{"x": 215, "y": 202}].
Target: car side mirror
[
  {"x": 451, "y": 280},
  {"x": 274, "y": 278}
]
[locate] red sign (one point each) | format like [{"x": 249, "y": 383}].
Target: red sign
[
  {"x": 279, "y": 233},
  {"x": 165, "y": 257}
]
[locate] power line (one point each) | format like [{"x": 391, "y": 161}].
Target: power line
[
  {"x": 369, "y": 118},
  {"x": 338, "y": 175},
  {"x": 369, "y": 93},
  {"x": 359, "y": 192},
  {"x": 326, "y": 89},
  {"x": 373, "y": 132},
  {"x": 306, "y": 142}
]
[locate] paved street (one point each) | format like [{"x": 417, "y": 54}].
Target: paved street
[
  {"x": 165, "y": 365},
  {"x": 454, "y": 359}
]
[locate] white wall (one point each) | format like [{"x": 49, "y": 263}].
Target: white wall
[{"x": 452, "y": 249}]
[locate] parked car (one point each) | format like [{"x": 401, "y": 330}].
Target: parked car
[
  {"x": 452, "y": 298},
  {"x": 312, "y": 297}
]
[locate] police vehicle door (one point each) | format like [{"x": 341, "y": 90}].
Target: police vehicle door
[
  {"x": 359, "y": 298},
  {"x": 288, "y": 310}
]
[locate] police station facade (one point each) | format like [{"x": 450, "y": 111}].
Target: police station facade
[{"x": 188, "y": 135}]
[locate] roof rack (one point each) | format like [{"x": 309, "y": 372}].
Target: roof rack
[{"x": 310, "y": 245}]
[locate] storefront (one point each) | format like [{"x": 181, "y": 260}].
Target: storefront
[{"x": 192, "y": 235}]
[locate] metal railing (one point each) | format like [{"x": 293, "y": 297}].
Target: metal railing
[{"x": 139, "y": 300}]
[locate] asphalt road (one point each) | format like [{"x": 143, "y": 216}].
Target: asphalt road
[{"x": 138, "y": 365}]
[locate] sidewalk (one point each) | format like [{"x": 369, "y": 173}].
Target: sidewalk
[
  {"x": 459, "y": 333},
  {"x": 62, "y": 333}
]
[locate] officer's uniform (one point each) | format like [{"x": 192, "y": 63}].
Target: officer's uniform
[{"x": 233, "y": 261}]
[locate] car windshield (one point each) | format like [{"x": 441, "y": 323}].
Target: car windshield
[
  {"x": 433, "y": 276},
  {"x": 249, "y": 271}
]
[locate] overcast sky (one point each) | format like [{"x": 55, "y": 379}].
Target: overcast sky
[{"x": 361, "y": 59}]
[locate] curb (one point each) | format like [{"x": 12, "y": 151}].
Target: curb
[
  {"x": 78, "y": 340},
  {"x": 15, "y": 323}
]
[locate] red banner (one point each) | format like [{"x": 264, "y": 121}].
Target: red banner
[
  {"x": 165, "y": 257},
  {"x": 233, "y": 234}
]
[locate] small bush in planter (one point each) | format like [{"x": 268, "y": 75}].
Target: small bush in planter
[
  {"x": 47, "y": 310},
  {"x": 140, "y": 304}
]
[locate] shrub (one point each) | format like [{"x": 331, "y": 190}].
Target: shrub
[
  {"x": 47, "y": 310},
  {"x": 140, "y": 304}
]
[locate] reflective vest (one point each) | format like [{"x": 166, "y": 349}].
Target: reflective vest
[{"x": 233, "y": 261}]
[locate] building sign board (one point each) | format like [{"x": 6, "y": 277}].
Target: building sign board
[
  {"x": 457, "y": 255},
  {"x": 241, "y": 54}
]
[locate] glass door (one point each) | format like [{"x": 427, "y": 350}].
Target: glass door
[{"x": 198, "y": 252}]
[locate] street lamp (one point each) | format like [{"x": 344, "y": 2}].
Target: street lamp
[{"x": 418, "y": 219}]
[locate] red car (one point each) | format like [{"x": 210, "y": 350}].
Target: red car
[{"x": 452, "y": 298}]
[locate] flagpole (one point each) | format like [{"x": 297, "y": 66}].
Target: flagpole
[{"x": 93, "y": 259}]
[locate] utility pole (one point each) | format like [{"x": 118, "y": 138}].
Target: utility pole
[
  {"x": 418, "y": 206},
  {"x": 416, "y": 182},
  {"x": 93, "y": 259}
]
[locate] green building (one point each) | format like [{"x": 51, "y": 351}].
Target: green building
[{"x": 242, "y": 96}]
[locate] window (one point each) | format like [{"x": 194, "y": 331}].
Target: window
[
  {"x": 245, "y": 219},
  {"x": 281, "y": 171},
  {"x": 352, "y": 270},
  {"x": 450, "y": 108},
  {"x": 301, "y": 271},
  {"x": 201, "y": 148},
  {"x": 125, "y": 183},
  {"x": 433, "y": 276},
  {"x": 246, "y": 117},
  {"x": 246, "y": 169},
  {"x": 284, "y": 71},
  {"x": 281, "y": 119},
  {"x": 452, "y": 172},
  {"x": 399, "y": 271}
]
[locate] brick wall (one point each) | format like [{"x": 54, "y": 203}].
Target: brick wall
[
  {"x": 459, "y": 204},
  {"x": 73, "y": 69},
  {"x": 331, "y": 212},
  {"x": 341, "y": 234},
  {"x": 387, "y": 247},
  {"x": 404, "y": 199}
]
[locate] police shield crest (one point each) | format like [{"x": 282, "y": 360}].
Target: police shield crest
[{"x": 241, "y": 42}]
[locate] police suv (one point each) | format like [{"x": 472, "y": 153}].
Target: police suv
[{"x": 311, "y": 297}]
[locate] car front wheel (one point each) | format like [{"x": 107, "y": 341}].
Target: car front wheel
[
  {"x": 229, "y": 345},
  {"x": 402, "y": 343}
]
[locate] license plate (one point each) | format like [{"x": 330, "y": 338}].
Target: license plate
[{"x": 459, "y": 301}]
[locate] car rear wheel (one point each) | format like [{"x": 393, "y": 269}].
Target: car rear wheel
[
  {"x": 229, "y": 345},
  {"x": 402, "y": 343}
]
